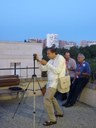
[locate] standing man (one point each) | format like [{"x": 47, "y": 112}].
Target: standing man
[
  {"x": 70, "y": 70},
  {"x": 82, "y": 77},
  {"x": 55, "y": 68},
  {"x": 70, "y": 65}
]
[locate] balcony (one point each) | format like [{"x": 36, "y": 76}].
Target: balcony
[{"x": 24, "y": 117}]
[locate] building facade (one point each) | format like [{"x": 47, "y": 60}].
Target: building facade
[
  {"x": 66, "y": 44},
  {"x": 20, "y": 54},
  {"x": 85, "y": 43},
  {"x": 52, "y": 39}
]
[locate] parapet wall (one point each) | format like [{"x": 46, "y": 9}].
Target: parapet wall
[{"x": 88, "y": 96}]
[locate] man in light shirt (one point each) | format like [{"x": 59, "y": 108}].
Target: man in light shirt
[
  {"x": 55, "y": 67},
  {"x": 71, "y": 65}
]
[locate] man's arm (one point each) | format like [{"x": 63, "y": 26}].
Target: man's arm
[
  {"x": 73, "y": 66},
  {"x": 42, "y": 67},
  {"x": 83, "y": 74},
  {"x": 40, "y": 64},
  {"x": 58, "y": 68},
  {"x": 86, "y": 71}
]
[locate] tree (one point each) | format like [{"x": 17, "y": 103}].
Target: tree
[
  {"x": 74, "y": 52},
  {"x": 89, "y": 52}
]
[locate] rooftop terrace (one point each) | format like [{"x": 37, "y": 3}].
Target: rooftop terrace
[{"x": 78, "y": 116}]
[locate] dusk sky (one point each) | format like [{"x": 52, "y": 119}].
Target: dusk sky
[{"x": 72, "y": 20}]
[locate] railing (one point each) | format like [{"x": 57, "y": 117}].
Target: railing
[{"x": 26, "y": 71}]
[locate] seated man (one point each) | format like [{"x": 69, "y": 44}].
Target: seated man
[{"x": 82, "y": 77}]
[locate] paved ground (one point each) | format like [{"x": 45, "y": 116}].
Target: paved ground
[{"x": 79, "y": 116}]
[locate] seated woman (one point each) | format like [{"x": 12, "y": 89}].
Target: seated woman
[{"x": 82, "y": 77}]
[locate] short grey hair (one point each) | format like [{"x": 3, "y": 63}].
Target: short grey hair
[{"x": 82, "y": 55}]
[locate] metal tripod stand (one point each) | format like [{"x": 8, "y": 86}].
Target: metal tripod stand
[{"x": 34, "y": 77}]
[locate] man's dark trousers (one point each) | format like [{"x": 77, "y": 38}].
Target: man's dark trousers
[{"x": 77, "y": 87}]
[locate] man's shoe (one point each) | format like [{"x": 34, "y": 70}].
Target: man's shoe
[
  {"x": 57, "y": 115},
  {"x": 64, "y": 104},
  {"x": 48, "y": 123},
  {"x": 68, "y": 105}
]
